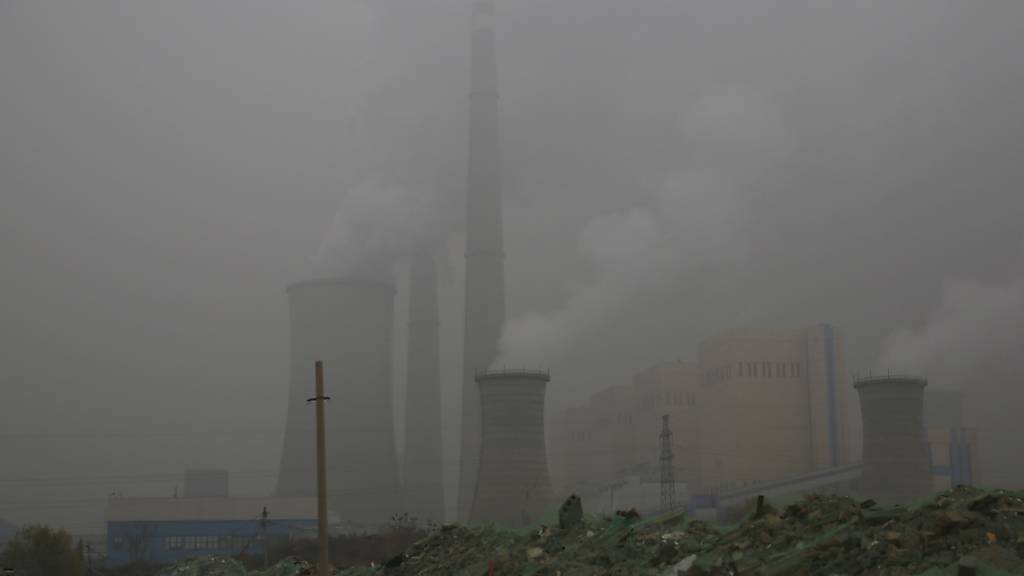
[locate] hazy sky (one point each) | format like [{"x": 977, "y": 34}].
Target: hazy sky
[{"x": 672, "y": 169}]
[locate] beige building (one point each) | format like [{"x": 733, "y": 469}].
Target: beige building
[
  {"x": 669, "y": 388},
  {"x": 772, "y": 404},
  {"x": 757, "y": 406}
]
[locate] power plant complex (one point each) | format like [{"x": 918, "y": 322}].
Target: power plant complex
[
  {"x": 346, "y": 322},
  {"x": 758, "y": 410}
]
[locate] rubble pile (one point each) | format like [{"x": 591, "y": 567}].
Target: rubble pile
[
  {"x": 231, "y": 567},
  {"x": 826, "y": 535}
]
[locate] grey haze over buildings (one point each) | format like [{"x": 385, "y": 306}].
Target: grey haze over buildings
[{"x": 671, "y": 169}]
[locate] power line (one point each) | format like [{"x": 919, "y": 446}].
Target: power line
[
  {"x": 134, "y": 435},
  {"x": 50, "y": 481}
]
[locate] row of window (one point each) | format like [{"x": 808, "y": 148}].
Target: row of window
[
  {"x": 206, "y": 542},
  {"x": 762, "y": 369}
]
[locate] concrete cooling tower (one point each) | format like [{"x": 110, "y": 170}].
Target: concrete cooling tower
[
  {"x": 897, "y": 468},
  {"x": 347, "y": 324},
  {"x": 513, "y": 487}
]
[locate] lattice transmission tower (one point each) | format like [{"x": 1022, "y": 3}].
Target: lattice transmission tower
[{"x": 668, "y": 481}]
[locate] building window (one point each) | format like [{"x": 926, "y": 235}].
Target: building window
[
  {"x": 782, "y": 369},
  {"x": 767, "y": 369},
  {"x": 752, "y": 366},
  {"x": 739, "y": 369}
]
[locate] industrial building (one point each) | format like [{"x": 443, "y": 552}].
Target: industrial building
[
  {"x": 347, "y": 324},
  {"x": 166, "y": 530},
  {"x": 952, "y": 447},
  {"x": 206, "y": 522},
  {"x": 757, "y": 406},
  {"x": 773, "y": 405}
]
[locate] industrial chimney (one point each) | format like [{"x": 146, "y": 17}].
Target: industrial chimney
[
  {"x": 513, "y": 487},
  {"x": 485, "y": 256},
  {"x": 346, "y": 323},
  {"x": 423, "y": 479},
  {"x": 897, "y": 467}
]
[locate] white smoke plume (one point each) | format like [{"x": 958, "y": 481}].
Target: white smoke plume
[
  {"x": 378, "y": 223},
  {"x": 973, "y": 342},
  {"x": 691, "y": 217},
  {"x": 975, "y": 325},
  {"x": 631, "y": 251}
]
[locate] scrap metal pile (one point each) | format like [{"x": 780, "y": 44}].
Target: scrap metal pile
[{"x": 964, "y": 530}]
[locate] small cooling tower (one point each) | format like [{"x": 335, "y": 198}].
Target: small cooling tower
[
  {"x": 347, "y": 324},
  {"x": 513, "y": 487},
  {"x": 897, "y": 467}
]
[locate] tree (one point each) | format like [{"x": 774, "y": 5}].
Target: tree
[{"x": 41, "y": 551}]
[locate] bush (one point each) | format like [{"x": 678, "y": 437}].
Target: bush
[{"x": 41, "y": 551}]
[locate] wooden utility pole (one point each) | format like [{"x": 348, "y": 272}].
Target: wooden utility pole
[
  {"x": 324, "y": 568},
  {"x": 266, "y": 543}
]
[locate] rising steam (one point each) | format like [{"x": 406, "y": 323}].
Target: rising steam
[
  {"x": 378, "y": 223},
  {"x": 973, "y": 342},
  {"x": 688, "y": 218}
]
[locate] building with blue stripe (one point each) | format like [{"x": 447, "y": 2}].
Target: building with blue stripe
[{"x": 166, "y": 530}]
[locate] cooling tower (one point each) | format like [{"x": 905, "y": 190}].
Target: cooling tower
[
  {"x": 897, "y": 468},
  {"x": 347, "y": 324},
  {"x": 513, "y": 487},
  {"x": 423, "y": 483}
]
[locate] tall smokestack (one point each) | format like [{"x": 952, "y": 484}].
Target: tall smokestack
[
  {"x": 485, "y": 256},
  {"x": 424, "y": 489}
]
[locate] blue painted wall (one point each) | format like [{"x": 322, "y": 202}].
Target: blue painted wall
[{"x": 167, "y": 542}]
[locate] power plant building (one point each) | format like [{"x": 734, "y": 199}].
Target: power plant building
[
  {"x": 514, "y": 487},
  {"x": 953, "y": 448},
  {"x": 347, "y": 324},
  {"x": 757, "y": 406},
  {"x": 773, "y": 405},
  {"x": 610, "y": 445},
  {"x": 669, "y": 388}
]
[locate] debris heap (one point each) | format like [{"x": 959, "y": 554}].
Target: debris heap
[{"x": 952, "y": 533}]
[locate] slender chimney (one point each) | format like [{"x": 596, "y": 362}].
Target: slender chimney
[
  {"x": 485, "y": 272},
  {"x": 424, "y": 489}
]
